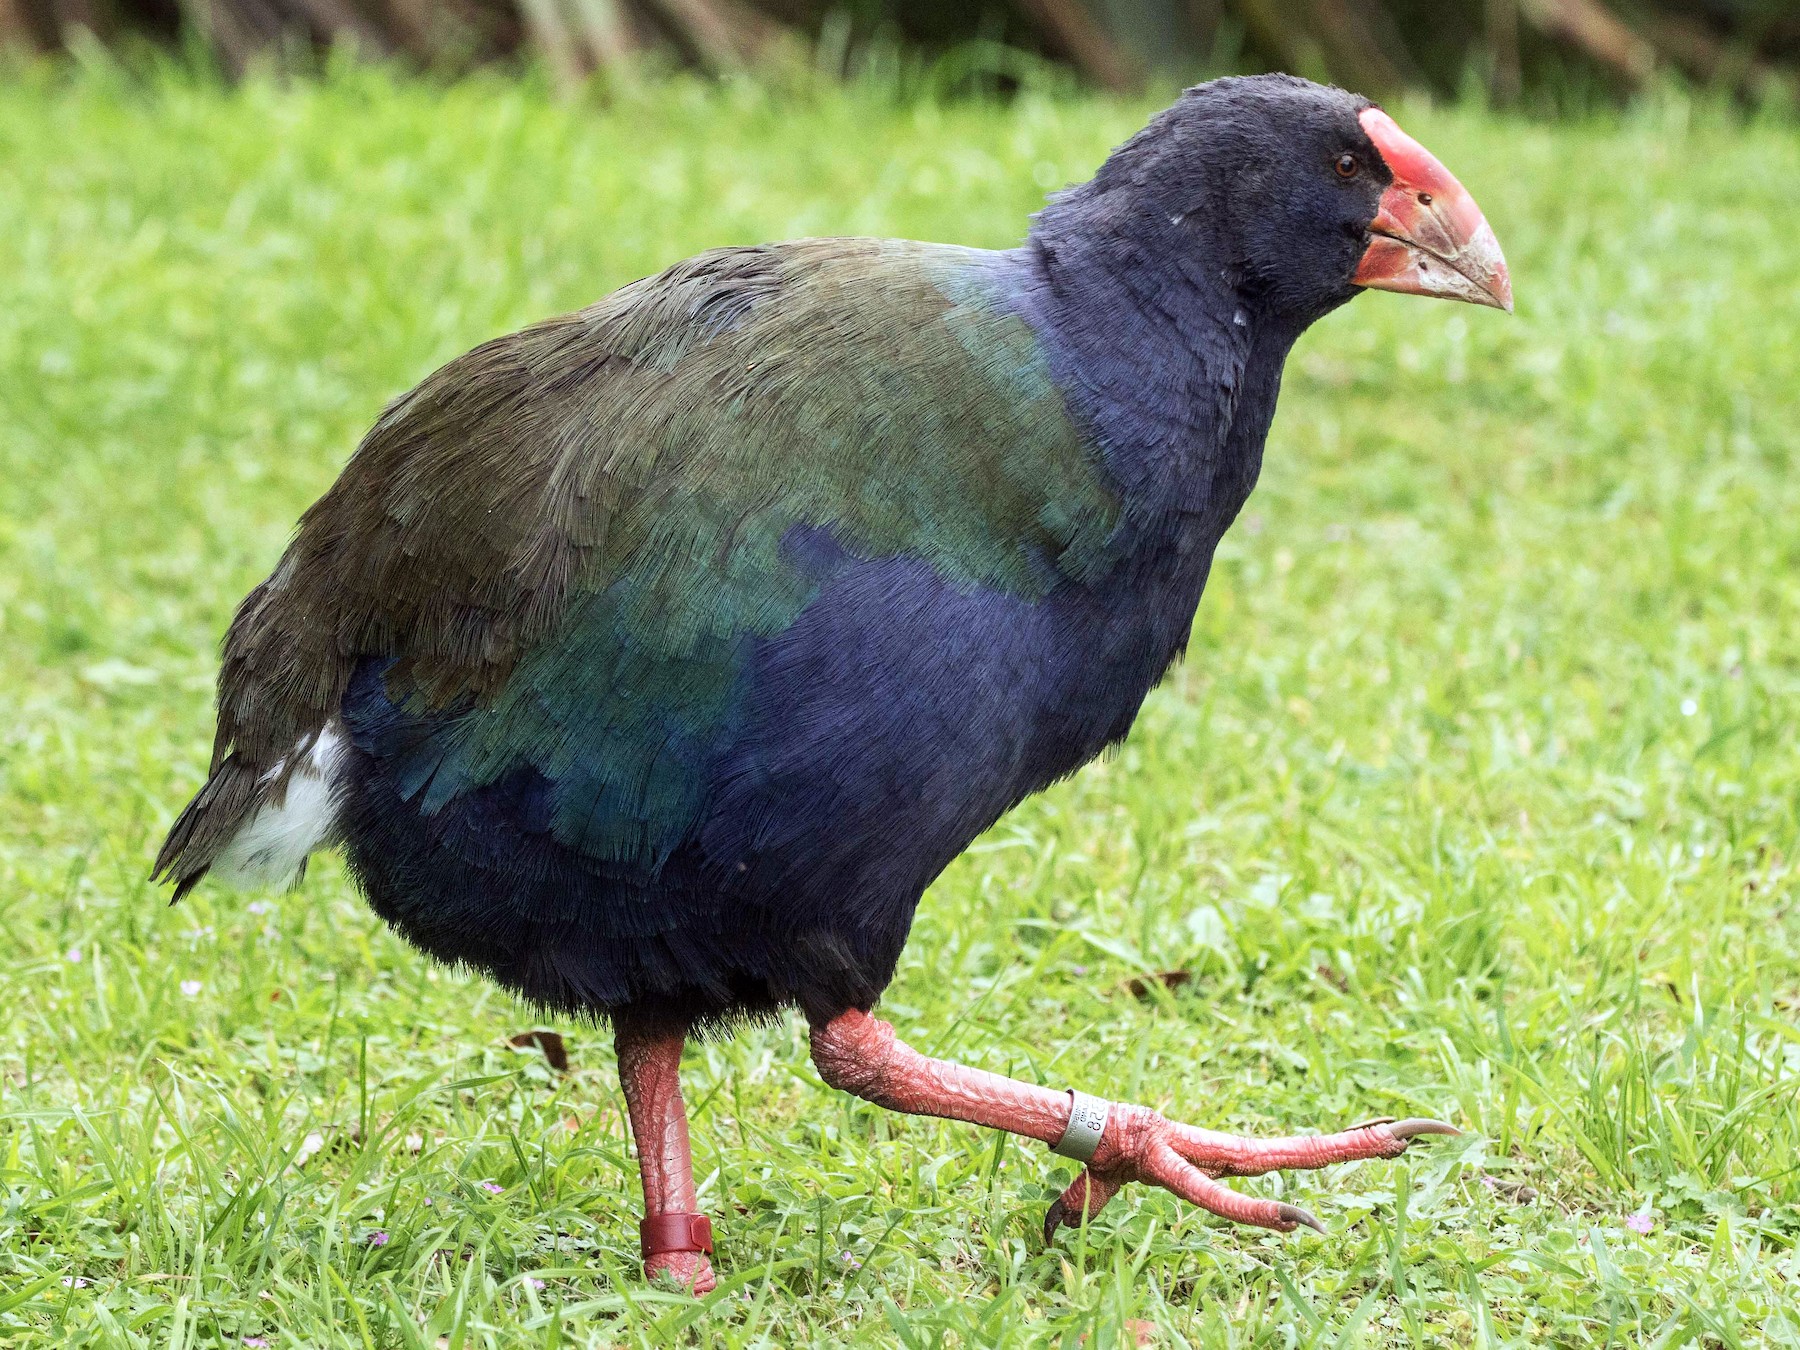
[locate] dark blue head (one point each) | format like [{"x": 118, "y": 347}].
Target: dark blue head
[{"x": 1293, "y": 194}]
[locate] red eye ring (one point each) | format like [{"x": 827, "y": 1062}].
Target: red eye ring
[{"x": 1346, "y": 165}]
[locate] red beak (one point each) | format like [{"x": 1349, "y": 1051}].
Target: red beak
[{"x": 1429, "y": 237}]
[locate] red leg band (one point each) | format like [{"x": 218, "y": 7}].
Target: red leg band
[{"x": 662, "y": 1233}]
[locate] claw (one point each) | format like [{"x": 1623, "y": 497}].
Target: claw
[
  {"x": 1407, "y": 1129},
  {"x": 1293, "y": 1214},
  {"x": 1189, "y": 1162}
]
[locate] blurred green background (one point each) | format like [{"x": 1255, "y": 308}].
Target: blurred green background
[{"x": 1550, "y": 52}]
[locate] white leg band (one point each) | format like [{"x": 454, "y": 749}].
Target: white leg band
[{"x": 1087, "y": 1122}]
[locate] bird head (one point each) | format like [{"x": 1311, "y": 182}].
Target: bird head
[
  {"x": 1341, "y": 198},
  {"x": 1311, "y": 193}
]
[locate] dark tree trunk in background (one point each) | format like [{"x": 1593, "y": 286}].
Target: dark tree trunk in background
[
  {"x": 1354, "y": 42},
  {"x": 1074, "y": 33},
  {"x": 1596, "y": 31},
  {"x": 1377, "y": 46}
]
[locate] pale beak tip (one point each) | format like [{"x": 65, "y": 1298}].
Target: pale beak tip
[{"x": 1503, "y": 297}]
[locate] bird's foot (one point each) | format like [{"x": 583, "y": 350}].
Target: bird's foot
[
  {"x": 690, "y": 1272},
  {"x": 859, "y": 1053},
  {"x": 1140, "y": 1145}
]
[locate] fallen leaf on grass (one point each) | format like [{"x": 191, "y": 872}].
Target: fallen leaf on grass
[
  {"x": 550, "y": 1042},
  {"x": 1139, "y": 986}
]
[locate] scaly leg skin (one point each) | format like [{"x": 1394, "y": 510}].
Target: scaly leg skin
[
  {"x": 859, "y": 1053},
  {"x": 676, "y": 1238}
]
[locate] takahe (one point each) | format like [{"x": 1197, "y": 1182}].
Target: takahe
[{"x": 656, "y": 658}]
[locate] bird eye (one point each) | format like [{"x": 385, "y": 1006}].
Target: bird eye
[{"x": 1346, "y": 165}]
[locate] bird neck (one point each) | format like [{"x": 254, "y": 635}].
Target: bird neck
[{"x": 1170, "y": 363}]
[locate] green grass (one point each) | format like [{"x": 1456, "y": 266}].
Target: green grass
[{"x": 1477, "y": 795}]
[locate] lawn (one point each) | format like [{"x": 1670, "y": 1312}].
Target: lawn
[{"x": 1476, "y": 796}]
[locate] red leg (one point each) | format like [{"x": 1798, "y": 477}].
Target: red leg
[
  {"x": 676, "y": 1238},
  {"x": 859, "y": 1053}
]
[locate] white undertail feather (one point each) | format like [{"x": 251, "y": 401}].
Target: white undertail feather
[{"x": 272, "y": 846}]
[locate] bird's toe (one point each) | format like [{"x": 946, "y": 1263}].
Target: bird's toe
[{"x": 690, "y": 1272}]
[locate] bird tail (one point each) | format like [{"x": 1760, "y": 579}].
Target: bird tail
[
  {"x": 206, "y": 825},
  {"x": 247, "y": 827}
]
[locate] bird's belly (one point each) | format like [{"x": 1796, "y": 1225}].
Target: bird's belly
[{"x": 869, "y": 744}]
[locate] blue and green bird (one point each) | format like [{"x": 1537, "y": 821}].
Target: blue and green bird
[{"x": 655, "y": 659}]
